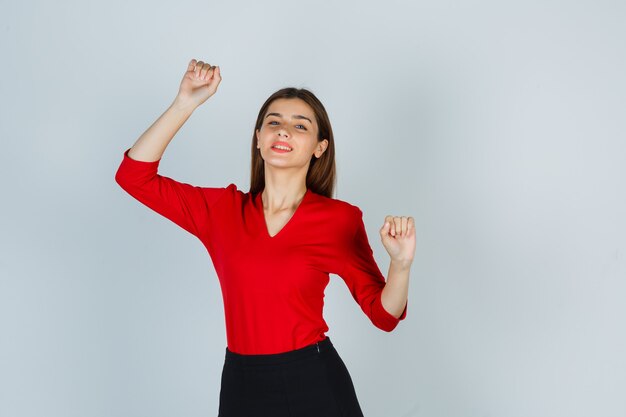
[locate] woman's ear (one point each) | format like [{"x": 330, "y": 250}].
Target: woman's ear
[{"x": 321, "y": 148}]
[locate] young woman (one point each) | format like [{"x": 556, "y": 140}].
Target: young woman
[{"x": 273, "y": 249}]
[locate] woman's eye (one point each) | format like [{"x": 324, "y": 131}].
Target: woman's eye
[{"x": 274, "y": 121}]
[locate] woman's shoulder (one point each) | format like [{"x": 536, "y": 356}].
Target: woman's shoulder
[
  {"x": 344, "y": 209},
  {"x": 342, "y": 218},
  {"x": 228, "y": 193},
  {"x": 231, "y": 188}
]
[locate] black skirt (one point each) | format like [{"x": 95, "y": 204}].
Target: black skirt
[{"x": 311, "y": 381}]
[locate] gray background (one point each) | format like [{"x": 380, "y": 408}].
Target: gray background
[{"x": 499, "y": 126}]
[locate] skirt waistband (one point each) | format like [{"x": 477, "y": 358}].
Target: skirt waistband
[{"x": 279, "y": 358}]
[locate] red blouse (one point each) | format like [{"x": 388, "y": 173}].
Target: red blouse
[{"x": 272, "y": 287}]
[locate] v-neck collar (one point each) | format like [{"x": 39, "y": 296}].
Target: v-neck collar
[{"x": 261, "y": 213}]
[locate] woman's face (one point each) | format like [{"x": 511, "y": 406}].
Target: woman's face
[{"x": 292, "y": 122}]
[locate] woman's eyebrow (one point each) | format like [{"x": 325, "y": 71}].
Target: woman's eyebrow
[{"x": 295, "y": 116}]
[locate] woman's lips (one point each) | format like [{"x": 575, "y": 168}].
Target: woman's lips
[
  {"x": 280, "y": 150},
  {"x": 283, "y": 144}
]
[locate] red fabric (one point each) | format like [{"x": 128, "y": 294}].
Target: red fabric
[{"x": 272, "y": 287}]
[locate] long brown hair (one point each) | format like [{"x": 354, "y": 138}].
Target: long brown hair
[{"x": 321, "y": 176}]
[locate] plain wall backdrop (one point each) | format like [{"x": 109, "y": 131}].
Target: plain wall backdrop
[{"x": 499, "y": 126}]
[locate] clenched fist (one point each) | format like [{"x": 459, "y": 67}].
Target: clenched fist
[
  {"x": 199, "y": 83},
  {"x": 398, "y": 238}
]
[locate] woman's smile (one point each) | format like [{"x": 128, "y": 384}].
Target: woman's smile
[{"x": 281, "y": 147}]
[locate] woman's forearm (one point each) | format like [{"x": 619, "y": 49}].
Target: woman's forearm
[
  {"x": 152, "y": 143},
  {"x": 396, "y": 291}
]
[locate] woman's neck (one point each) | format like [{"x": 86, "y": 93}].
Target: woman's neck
[{"x": 282, "y": 193}]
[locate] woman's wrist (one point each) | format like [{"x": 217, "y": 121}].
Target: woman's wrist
[
  {"x": 401, "y": 264},
  {"x": 183, "y": 104}
]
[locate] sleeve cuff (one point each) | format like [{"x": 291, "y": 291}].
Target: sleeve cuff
[
  {"x": 130, "y": 160},
  {"x": 386, "y": 321}
]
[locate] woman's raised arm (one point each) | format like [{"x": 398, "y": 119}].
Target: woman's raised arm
[
  {"x": 185, "y": 204},
  {"x": 198, "y": 84}
]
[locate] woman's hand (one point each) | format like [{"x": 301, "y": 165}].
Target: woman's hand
[
  {"x": 199, "y": 83},
  {"x": 398, "y": 237}
]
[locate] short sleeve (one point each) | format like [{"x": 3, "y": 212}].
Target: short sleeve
[
  {"x": 184, "y": 204},
  {"x": 364, "y": 279}
]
